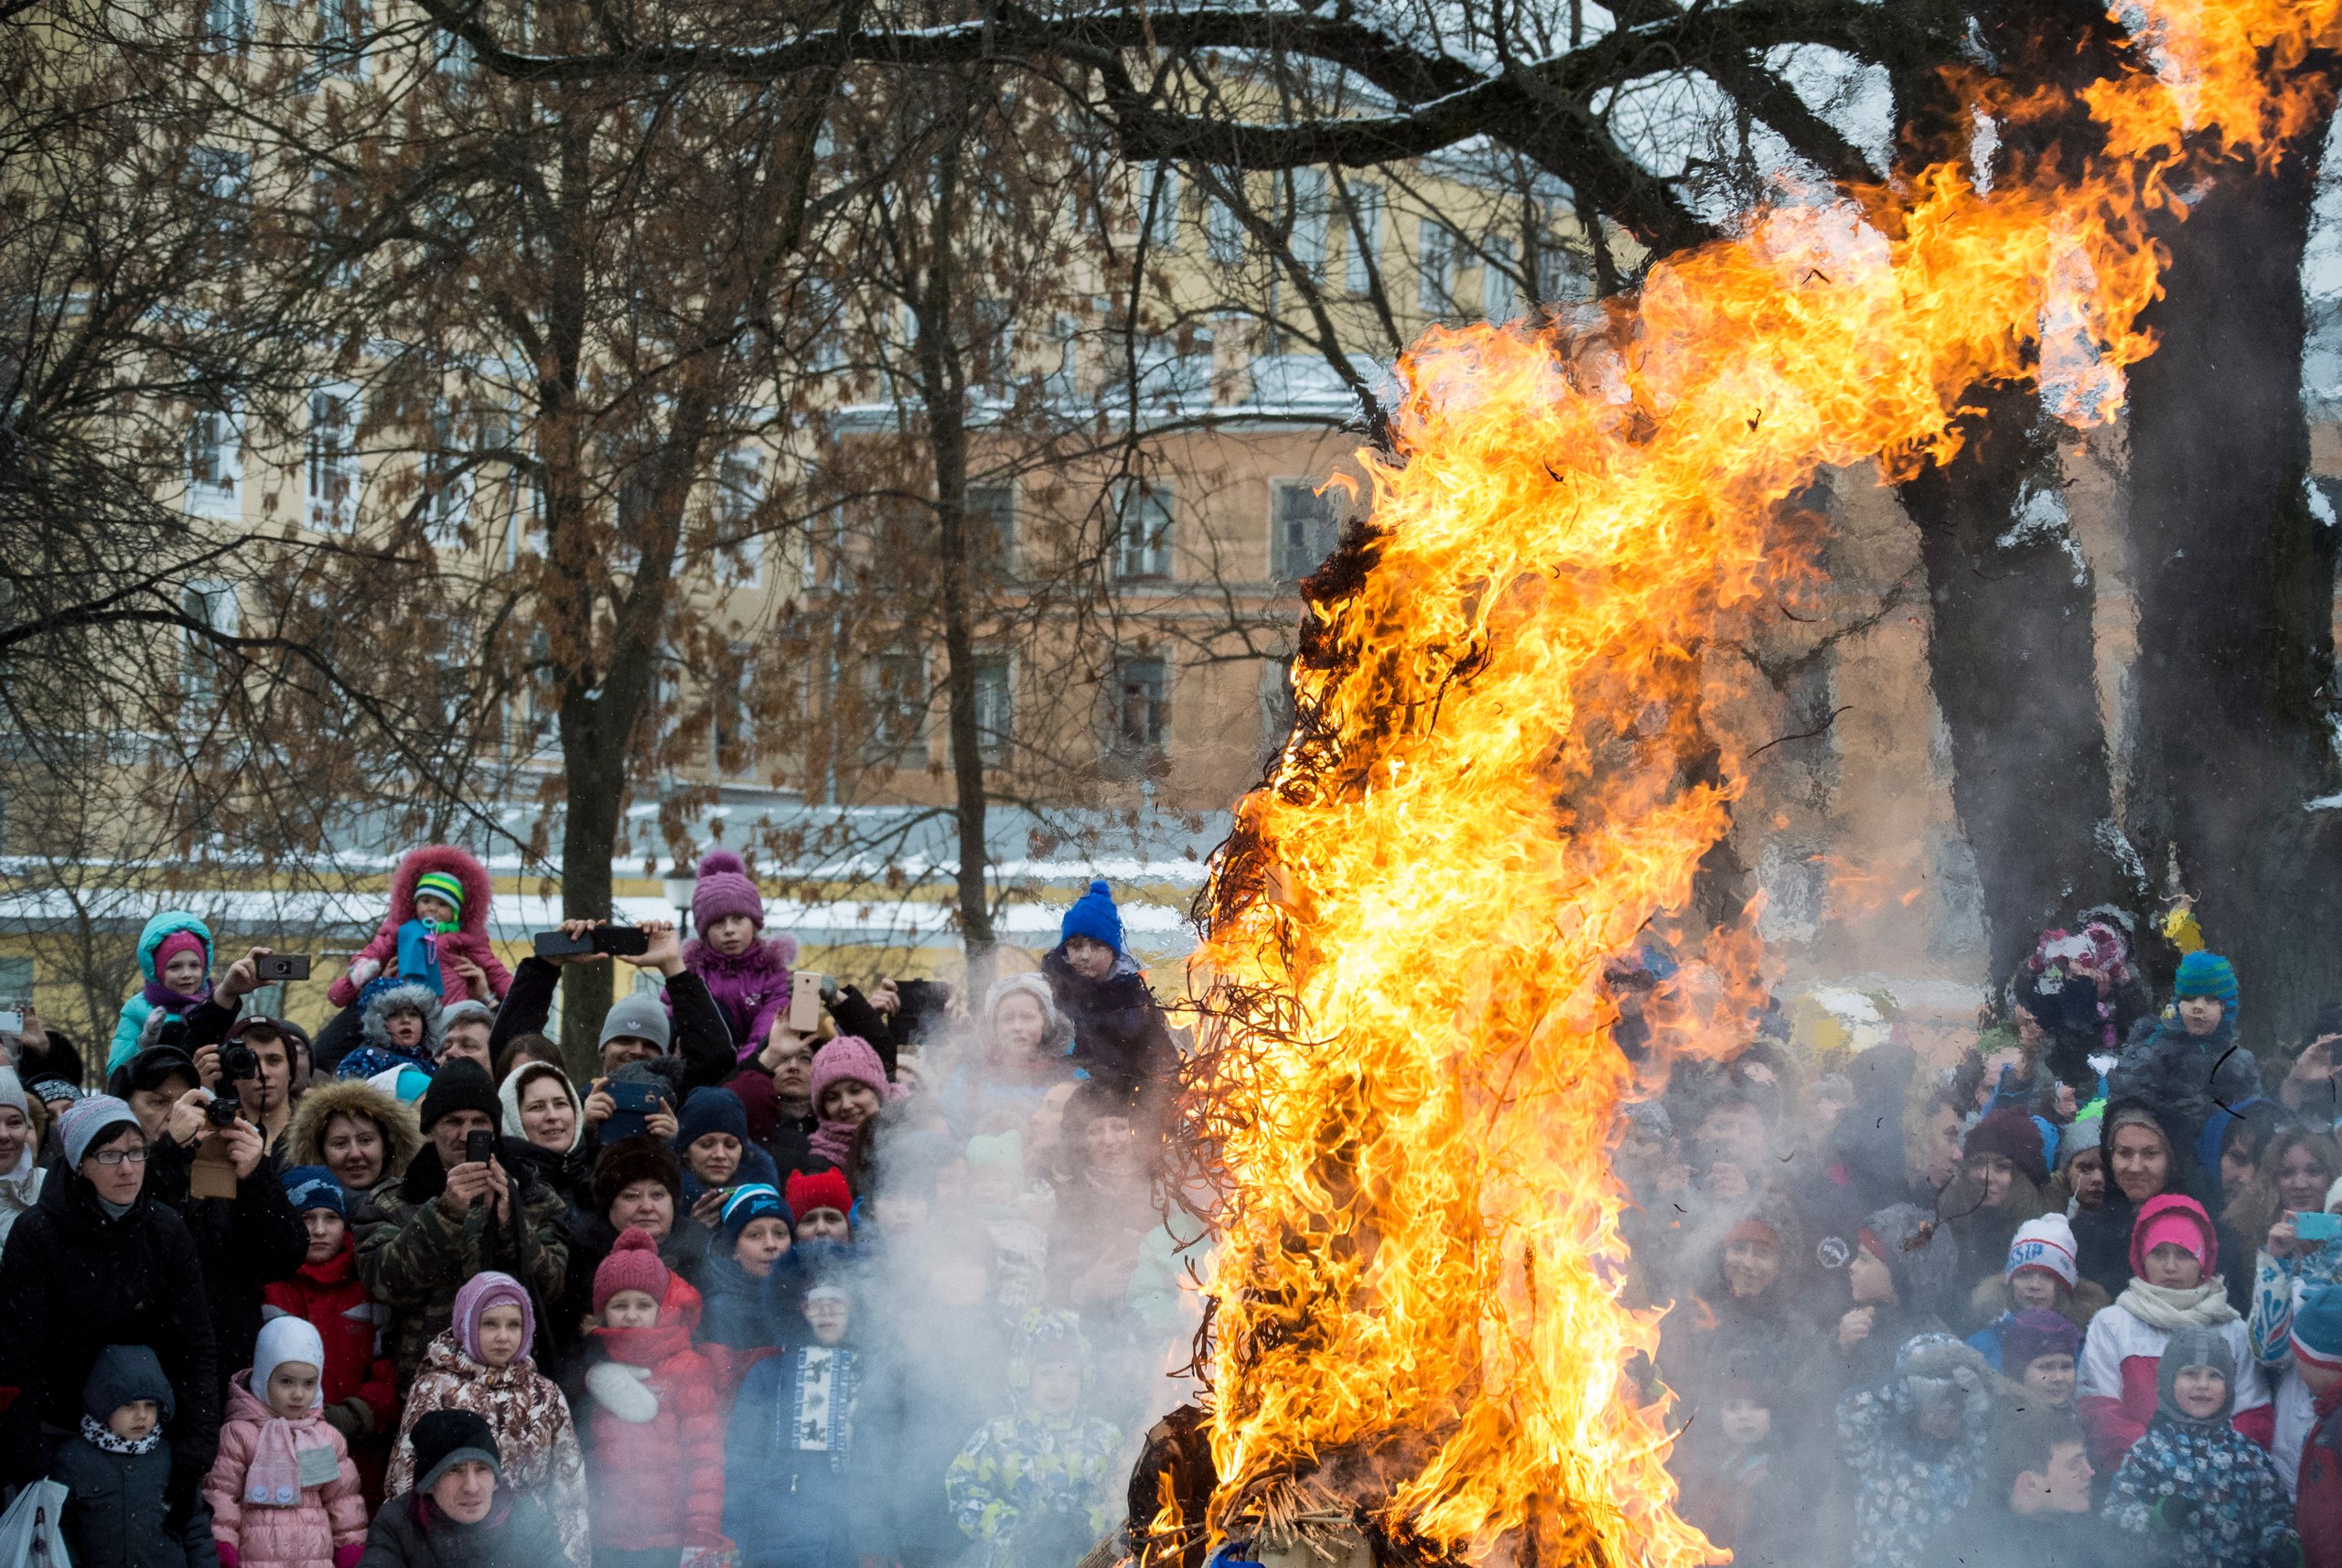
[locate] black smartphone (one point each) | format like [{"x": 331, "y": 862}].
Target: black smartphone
[
  {"x": 479, "y": 1147},
  {"x": 283, "y": 966},
  {"x": 635, "y": 1102},
  {"x": 618, "y": 941}
]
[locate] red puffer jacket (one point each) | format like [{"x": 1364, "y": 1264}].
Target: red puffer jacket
[
  {"x": 656, "y": 1469},
  {"x": 334, "y": 1299}
]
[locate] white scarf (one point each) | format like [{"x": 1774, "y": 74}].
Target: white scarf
[{"x": 2160, "y": 1306}]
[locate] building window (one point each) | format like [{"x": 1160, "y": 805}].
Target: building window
[
  {"x": 1500, "y": 289},
  {"x": 740, "y": 491},
  {"x": 1141, "y": 531},
  {"x": 995, "y": 709},
  {"x": 214, "y": 464},
  {"x": 447, "y": 480},
  {"x": 1223, "y": 234},
  {"x": 1366, "y": 237},
  {"x": 1136, "y": 725},
  {"x": 332, "y": 469},
  {"x": 342, "y": 38},
  {"x": 230, "y": 22},
  {"x": 1303, "y": 528},
  {"x": 211, "y": 605},
  {"x": 1434, "y": 268},
  {"x": 898, "y": 708},
  {"x": 222, "y": 178},
  {"x": 1309, "y": 220},
  {"x": 992, "y": 526},
  {"x": 1160, "y": 215}
]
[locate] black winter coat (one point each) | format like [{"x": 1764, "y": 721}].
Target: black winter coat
[
  {"x": 1119, "y": 1032},
  {"x": 114, "y": 1518},
  {"x": 243, "y": 1244},
  {"x": 702, "y": 1051},
  {"x": 75, "y": 1280},
  {"x": 411, "y": 1532}
]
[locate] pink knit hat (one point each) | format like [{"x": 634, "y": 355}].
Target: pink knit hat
[
  {"x": 175, "y": 943},
  {"x": 724, "y": 889},
  {"x": 2180, "y": 1220},
  {"x": 488, "y": 1289},
  {"x": 849, "y": 1058},
  {"x": 633, "y": 1264}
]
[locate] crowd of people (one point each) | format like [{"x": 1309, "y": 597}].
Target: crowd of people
[
  {"x": 408, "y": 1295},
  {"x": 2072, "y": 1303}
]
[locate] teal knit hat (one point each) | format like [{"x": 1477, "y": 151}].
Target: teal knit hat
[{"x": 2206, "y": 974}]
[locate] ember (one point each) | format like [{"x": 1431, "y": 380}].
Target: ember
[{"x": 1500, "y": 744}]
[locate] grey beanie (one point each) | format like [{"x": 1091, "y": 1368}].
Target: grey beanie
[
  {"x": 12, "y": 1092},
  {"x": 640, "y": 1015},
  {"x": 2078, "y": 1138},
  {"x": 2194, "y": 1347},
  {"x": 78, "y": 1127}
]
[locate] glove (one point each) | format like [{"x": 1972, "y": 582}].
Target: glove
[
  {"x": 363, "y": 970},
  {"x": 350, "y": 1418},
  {"x": 347, "y": 1556},
  {"x": 228, "y": 1558}
]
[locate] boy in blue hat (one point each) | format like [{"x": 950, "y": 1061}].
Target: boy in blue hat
[
  {"x": 2188, "y": 1064},
  {"x": 1119, "y": 1034}
]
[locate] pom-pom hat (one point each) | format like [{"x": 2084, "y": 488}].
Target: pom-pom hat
[
  {"x": 633, "y": 1264},
  {"x": 724, "y": 889}
]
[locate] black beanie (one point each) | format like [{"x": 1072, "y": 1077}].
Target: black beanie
[
  {"x": 629, "y": 1160},
  {"x": 461, "y": 1085},
  {"x": 446, "y": 1438}
]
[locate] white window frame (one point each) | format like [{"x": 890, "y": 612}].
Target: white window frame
[
  {"x": 1500, "y": 290},
  {"x": 1283, "y": 567},
  {"x": 1312, "y": 213},
  {"x": 737, "y": 499},
  {"x": 342, "y": 38},
  {"x": 223, "y": 500},
  {"x": 214, "y": 603},
  {"x": 1365, "y": 250},
  {"x": 1002, "y": 523},
  {"x": 332, "y": 496},
  {"x": 1145, "y": 555},
  {"x": 1435, "y": 267},
  {"x": 995, "y": 742},
  {"x": 1117, "y": 738},
  {"x": 1159, "y": 206}
]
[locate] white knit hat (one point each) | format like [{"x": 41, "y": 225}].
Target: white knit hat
[{"x": 2044, "y": 1243}]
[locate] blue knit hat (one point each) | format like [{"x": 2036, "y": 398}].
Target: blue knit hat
[
  {"x": 1093, "y": 914},
  {"x": 2206, "y": 974},
  {"x": 2317, "y": 1326},
  {"x": 313, "y": 1186},
  {"x": 750, "y": 1204},
  {"x": 710, "y": 1110}
]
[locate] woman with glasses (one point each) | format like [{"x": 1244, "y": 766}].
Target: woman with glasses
[{"x": 99, "y": 1261}]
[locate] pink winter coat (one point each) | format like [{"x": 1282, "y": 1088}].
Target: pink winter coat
[
  {"x": 305, "y": 1534},
  {"x": 471, "y": 941}
]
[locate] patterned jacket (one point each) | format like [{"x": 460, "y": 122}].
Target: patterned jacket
[
  {"x": 1022, "y": 1471},
  {"x": 534, "y": 1434},
  {"x": 2203, "y": 1493},
  {"x": 1907, "y": 1486}
]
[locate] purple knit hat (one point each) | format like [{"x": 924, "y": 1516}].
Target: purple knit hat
[
  {"x": 725, "y": 888},
  {"x": 849, "y": 1058},
  {"x": 483, "y": 1291}
]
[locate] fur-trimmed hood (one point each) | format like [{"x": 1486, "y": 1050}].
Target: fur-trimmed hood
[
  {"x": 305, "y": 1136},
  {"x": 378, "y": 1000},
  {"x": 459, "y": 863}
]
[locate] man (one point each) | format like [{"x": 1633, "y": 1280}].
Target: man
[
  {"x": 693, "y": 1048},
  {"x": 464, "y": 1031},
  {"x": 266, "y": 1097},
  {"x": 2031, "y": 1505},
  {"x": 776, "y": 1088},
  {"x": 451, "y": 1217}
]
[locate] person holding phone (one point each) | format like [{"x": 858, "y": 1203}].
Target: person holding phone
[
  {"x": 466, "y": 1204},
  {"x": 688, "y": 1039}
]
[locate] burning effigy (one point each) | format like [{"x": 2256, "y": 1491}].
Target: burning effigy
[{"x": 1418, "y": 1344}]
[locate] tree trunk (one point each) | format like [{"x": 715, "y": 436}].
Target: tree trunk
[
  {"x": 589, "y": 837},
  {"x": 2012, "y": 660},
  {"x": 2235, "y": 585}
]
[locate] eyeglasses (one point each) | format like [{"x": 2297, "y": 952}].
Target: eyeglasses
[{"x": 136, "y": 1156}]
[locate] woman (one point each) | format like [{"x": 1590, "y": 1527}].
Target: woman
[
  {"x": 99, "y": 1261},
  {"x": 541, "y": 1105},
  {"x": 2003, "y": 1168},
  {"x": 362, "y": 1134},
  {"x": 2142, "y": 1161},
  {"x": 20, "y": 1168},
  {"x": 1020, "y": 1054}
]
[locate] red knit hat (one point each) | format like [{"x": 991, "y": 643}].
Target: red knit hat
[
  {"x": 633, "y": 1264},
  {"x": 175, "y": 943},
  {"x": 809, "y": 1190}
]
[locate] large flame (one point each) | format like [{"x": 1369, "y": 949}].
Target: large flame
[{"x": 1503, "y": 779}]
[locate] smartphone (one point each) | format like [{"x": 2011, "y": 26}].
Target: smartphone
[
  {"x": 618, "y": 941},
  {"x": 804, "y": 1002},
  {"x": 12, "y": 1020},
  {"x": 479, "y": 1147},
  {"x": 2316, "y": 1227},
  {"x": 283, "y": 966},
  {"x": 636, "y": 1102}
]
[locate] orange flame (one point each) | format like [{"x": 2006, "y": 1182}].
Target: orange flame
[{"x": 1501, "y": 779}]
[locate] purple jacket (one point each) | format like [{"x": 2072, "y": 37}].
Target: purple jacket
[{"x": 749, "y": 989}]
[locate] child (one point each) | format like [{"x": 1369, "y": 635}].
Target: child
[
  {"x": 657, "y": 1461},
  {"x": 1000, "y": 1199},
  {"x": 2032, "y": 1504},
  {"x": 117, "y": 1470},
  {"x": 796, "y": 1496},
  {"x": 2173, "y": 1251},
  {"x": 2040, "y": 1275},
  {"x": 753, "y": 1235},
  {"x": 2037, "y": 1349},
  {"x": 2081, "y": 1161},
  {"x": 359, "y": 1386},
  {"x": 849, "y": 1086},
  {"x": 437, "y": 924},
  {"x": 282, "y": 1491},
  {"x": 2317, "y": 1471},
  {"x": 482, "y": 1364},
  {"x": 2188, "y": 1064},
  {"x": 1119, "y": 1034},
  {"x": 2192, "y": 1485},
  {"x": 174, "y": 955},
  {"x": 1034, "y": 1490},
  {"x": 1731, "y": 1479},
  {"x": 399, "y": 1022},
  {"x": 460, "y": 1514},
  {"x": 747, "y": 975},
  {"x": 823, "y": 1205},
  {"x": 1914, "y": 1445}
]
